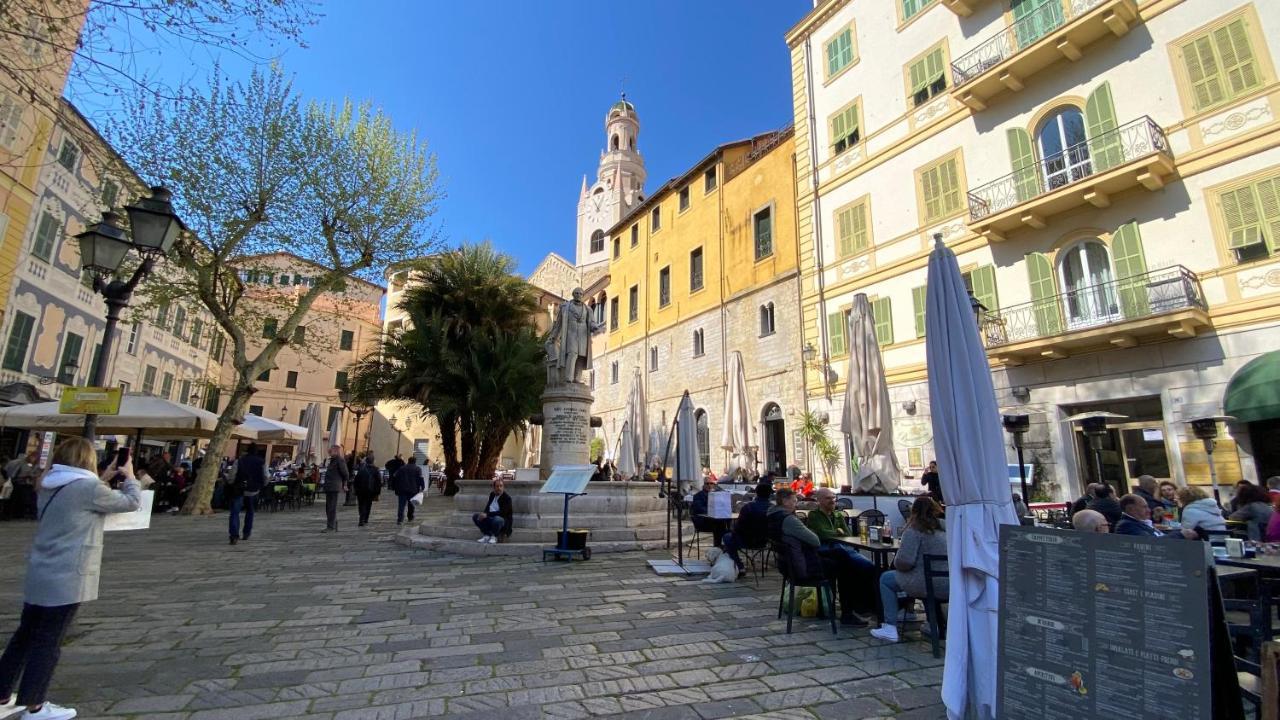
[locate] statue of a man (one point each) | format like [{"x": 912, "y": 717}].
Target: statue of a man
[{"x": 569, "y": 341}]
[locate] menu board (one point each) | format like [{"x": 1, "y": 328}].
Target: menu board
[
  {"x": 1096, "y": 625},
  {"x": 570, "y": 479}
]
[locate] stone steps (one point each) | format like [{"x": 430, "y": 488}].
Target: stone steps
[
  {"x": 547, "y": 535},
  {"x": 470, "y": 548}
]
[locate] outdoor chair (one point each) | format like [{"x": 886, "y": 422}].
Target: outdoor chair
[
  {"x": 904, "y": 509},
  {"x": 844, "y": 503},
  {"x": 1249, "y": 625},
  {"x": 309, "y": 492},
  {"x": 280, "y": 496},
  {"x": 758, "y": 560},
  {"x": 824, "y": 587},
  {"x": 932, "y": 602},
  {"x": 870, "y": 518}
]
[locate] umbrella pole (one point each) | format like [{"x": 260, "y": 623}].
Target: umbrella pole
[{"x": 666, "y": 490}]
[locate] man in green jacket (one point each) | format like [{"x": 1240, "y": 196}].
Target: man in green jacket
[{"x": 829, "y": 523}]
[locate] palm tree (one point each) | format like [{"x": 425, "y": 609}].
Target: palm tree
[{"x": 469, "y": 355}]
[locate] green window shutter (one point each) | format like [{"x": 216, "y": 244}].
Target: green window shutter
[
  {"x": 917, "y": 305},
  {"x": 46, "y": 234},
  {"x": 1203, "y": 71},
  {"x": 940, "y": 186},
  {"x": 1131, "y": 268},
  {"x": 1269, "y": 203},
  {"x": 930, "y": 187},
  {"x": 984, "y": 287},
  {"x": 918, "y": 73},
  {"x": 836, "y": 344},
  {"x": 1026, "y": 181},
  {"x": 852, "y": 229},
  {"x": 882, "y": 313},
  {"x": 1100, "y": 125},
  {"x": 1238, "y": 63},
  {"x": 15, "y": 351},
  {"x": 1240, "y": 213},
  {"x": 1033, "y": 19},
  {"x": 1043, "y": 294},
  {"x": 934, "y": 67},
  {"x": 839, "y": 52},
  {"x": 911, "y": 7}
]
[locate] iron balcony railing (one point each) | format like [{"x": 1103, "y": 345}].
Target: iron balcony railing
[
  {"x": 1025, "y": 31},
  {"x": 1098, "y": 154},
  {"x": 1152, "y": 293}
]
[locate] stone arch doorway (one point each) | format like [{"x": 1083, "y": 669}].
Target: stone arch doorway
[{"x": 775, "y": 440}]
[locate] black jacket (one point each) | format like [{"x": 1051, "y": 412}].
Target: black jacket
[
  {"x": 1152, "y": 502},
  {"x": 251, "y": 473},
  {"x": 393, "y": 466},
  {"x": 408, "y": 481},
  {"x": 504, "y": 511},
  {"x": 752, "y": 526},
  {"x": 1130, "y": 526},
  {"x": 1110, "y": 509},
  {"x": 368, "y": 481}
]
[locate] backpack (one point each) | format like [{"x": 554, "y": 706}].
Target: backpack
[{"x": 368, "y": 480}]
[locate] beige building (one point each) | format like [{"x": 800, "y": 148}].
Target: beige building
[{"x": 1107, "y": 173}]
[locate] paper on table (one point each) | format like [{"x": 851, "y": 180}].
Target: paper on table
[
  {"x": 720, "y": 505},
  {"x": 139, "y": 519}
]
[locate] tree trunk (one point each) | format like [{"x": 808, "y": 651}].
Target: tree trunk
[
  {"x": 470, "y": 448},
  {"x": 449, "y": 447},
  {"x": 198, "y": 499},
  {"x": 490, "y": 453}
]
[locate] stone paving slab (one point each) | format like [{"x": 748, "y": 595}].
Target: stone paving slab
[{"x": 297, "y": 623}]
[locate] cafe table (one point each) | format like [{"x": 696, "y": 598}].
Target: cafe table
[
  {"x": 881, "y": 553},
  {"x": 1266, "y": 565}
]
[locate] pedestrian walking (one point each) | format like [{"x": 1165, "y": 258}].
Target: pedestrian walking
[
  {"x": 63, "y": 568},
  {"x": 337, "y": 479},
  {"x": 407, "y": 483},
  {"x": 368, "y": 482},
  {"x": 22, "y": 473},
  {"x": 247, "y": 477}
]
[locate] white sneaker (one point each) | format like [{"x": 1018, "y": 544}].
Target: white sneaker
[
  {"x": 49, "y": 711},
  {"x": 492, "y": 540},
  {"x": 482, "y": 539},
  {"x": 888, "y": 633}
]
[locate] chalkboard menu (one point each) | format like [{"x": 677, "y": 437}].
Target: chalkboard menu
[{"x": 1096, "y": 625}]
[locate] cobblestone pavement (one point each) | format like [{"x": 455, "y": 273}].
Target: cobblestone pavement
[{"x": 299, "y": 623}]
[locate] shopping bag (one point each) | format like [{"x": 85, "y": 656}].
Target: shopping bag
[
  {"x": 416, "y": 499},
  {"x": 6, "y": 490},
  {"x": 139, "y": 519}
]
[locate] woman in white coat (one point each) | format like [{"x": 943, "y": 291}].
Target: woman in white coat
[
  {"x": 1199, "y": 510},
  {"x": 62, "y": 570}
]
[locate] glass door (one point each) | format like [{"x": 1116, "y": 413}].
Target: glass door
[
  {"x": 1064, "y": 150},
  {"x": 1086, "y": 279}
]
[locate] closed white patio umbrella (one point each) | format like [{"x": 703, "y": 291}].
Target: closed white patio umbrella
[
  {"x": 310, "y": 450},
  {"x": 688, "y": 468},
  {"x": 637, "y": 413},
  {"x": 868, "y": 417},
  {"x": 735, "y": 438},
  {"x": 335, "y": 432},
  {"x": 626, "y": 453},
  {"x": 969, "y": 441}
]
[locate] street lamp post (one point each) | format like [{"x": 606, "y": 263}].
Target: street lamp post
[
  {"x": 396, "y": 428},
  {"x": 103, "y": 247},
  {"x": 1206, "y": 429},
  {"x": 1017, "y": 426}
]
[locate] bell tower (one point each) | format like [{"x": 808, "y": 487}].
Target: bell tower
[{"x": 619, "y": 185}]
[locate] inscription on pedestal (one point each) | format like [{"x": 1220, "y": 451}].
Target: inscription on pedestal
[{"x": 567, "y": 425}]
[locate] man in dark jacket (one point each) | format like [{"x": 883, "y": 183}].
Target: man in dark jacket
[
  {"x": 702, "y": 522},
  {"x": 751, "y": 529},
  {"x": 248, "y": 477},
  {"x": 407, "y": 482},
  {"x": 337, "y": 477},
  {"x": 1104, "y": 501},
  {"x": 393, "y": 466},
  {"x": 495, "y": 521},
  {"x": 1147, "y": 488},
  {"x": 1135, "y": 519},
  {"x": 368, "y": 484}
]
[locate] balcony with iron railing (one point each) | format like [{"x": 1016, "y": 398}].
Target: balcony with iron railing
[
  {"x": 1092, "y": 171},
  {"x": 1120, "y": 313},
  {"x": 1053, "y": 30}
]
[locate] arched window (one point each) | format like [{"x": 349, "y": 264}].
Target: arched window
[
  {"x": 704, "y": 436},
  {"x": 653, "y": 359},
  {"x": 1084, "y": 274},
  {"x": 631, "y": 143},
  {"x": 767, "y": 326},
  {"x": 597, "y": 241},
  {"x": 613, "y": 373},
  {"x": 614, "y": 143},
  {"x": 1063, "y": 149},
  {"x": 699, "y": 343}
]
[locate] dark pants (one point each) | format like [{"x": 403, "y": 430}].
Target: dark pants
[
  {"x": 402, "y": 502},
  {"x": 490, "y": 525},
  {"x": 701, "y": 523},
  {"x": 249, "y": 503},
  {"x": 733, "y": 543},
  {"x": 33, "y": 652},
  {"x": 366, "y": 504},
  {"x": 331, "y": 509},
  {"x": 22, "y": 502},
  {"x": 855, "y": 576}
]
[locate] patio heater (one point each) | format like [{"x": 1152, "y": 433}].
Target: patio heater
[
  {"x": 1206, "y": 428},
  {"x": 1094, "y": 425},
  {"x": 1017, "y": 426}
]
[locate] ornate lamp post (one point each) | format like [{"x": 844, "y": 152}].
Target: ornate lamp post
[
  {"x": 103, "y": 247},
  {"x": 395, "y": 427}
]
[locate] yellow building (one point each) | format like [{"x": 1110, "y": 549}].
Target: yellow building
[{"x": 702, "y": 267}]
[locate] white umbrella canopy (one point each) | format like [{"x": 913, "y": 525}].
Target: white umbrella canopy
[
  {"x": 626, "y": 453},
  {"x": 638, "y": 418},
  {"x": 155, "y": 417},
  {"x": 310, "y": 450},
  {"x": 735, "y": 438},
  {"x": 688, "y": 470},
  {"x": 969, "y": 441},
  {"x": 868, "y": 417},
  {"x": 335, "y": 431},
  {"x": 269, "y": 430}
]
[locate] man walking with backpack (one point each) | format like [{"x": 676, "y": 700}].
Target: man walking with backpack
[
  {"x": 407, "y": 483},
  {"x": 248, "y": 476},
  {"x": 368, "y": 484}
]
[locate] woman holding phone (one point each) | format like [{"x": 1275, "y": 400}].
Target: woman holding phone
[{"x": 62, "y": 569}]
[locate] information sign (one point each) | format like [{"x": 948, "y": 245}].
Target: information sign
[
  {"x": 90, "y": 401},
  {"x": 570, "y": 479}
]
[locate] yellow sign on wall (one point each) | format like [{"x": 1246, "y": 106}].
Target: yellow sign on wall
[{"x": 90, "y": 401}]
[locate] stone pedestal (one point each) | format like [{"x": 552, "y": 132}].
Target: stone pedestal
[{"x": 566, "y": 426}]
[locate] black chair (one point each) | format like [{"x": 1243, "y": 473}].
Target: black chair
[
  {"x": 904, "y": 509},
  {"x": 821, "y": 585},
  {"x": 844, "y": 503},
  {"x": 870, "y": 518},
  {"x": 758, "y": 559},
  {"x": 933, "y": 603},
  {"x": 1249, "y": 625}
]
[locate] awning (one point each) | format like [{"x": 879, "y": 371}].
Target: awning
[{"x": 1254, "y": 391}]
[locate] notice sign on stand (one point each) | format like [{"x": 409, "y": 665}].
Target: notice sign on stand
[
  {"x": 1097, "y": 625},
  {"x": 571, "y": 479},
  {"x": 90, "y": 401}
]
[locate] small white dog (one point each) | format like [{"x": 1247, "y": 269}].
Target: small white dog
[{"x": 722, "y": 568}]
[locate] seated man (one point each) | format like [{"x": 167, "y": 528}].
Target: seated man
[
  {"x": 495, "y": 521},
  {"x": 1104, "y": 501},
  {"x": 1090, "y": 521},
  {"x": 829, "y": 523},
  {"x": 751, "y": 529},
  {"x": 787, "y": 529},
  {"x": 1136, "y": 520},
  {"x": 702, "y": 522}
]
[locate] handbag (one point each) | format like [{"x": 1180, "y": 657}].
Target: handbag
[
  {"x": 416, "y": 499},
  {"x": 6, "y": 490}
]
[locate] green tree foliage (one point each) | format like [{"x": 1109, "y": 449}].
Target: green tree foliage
[
  {"x": 469, "y": 355},
  {"x": 253, "y": 172},
  {"x": 824, "y": 449}
]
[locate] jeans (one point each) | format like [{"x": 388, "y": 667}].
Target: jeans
[
  {"x": 249, "y": 503},
  {"x": 702, "y": 523},
  {"x": 855, "y": 575},
  {"x": 490, "y": 525},
  {"x": 402, "y": 502},
  {"x": 33, "y": 651},
  {"x": 331, "y": 509},
  {"x": 366, "y": 504},
  {"x": 889, "y": 589},
  {"x": 732, "y": 543}
]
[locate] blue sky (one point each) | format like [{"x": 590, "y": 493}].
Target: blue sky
[{"x": 511, "y": 94}]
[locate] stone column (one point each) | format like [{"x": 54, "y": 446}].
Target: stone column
[{"x": 566, "y": 426}]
